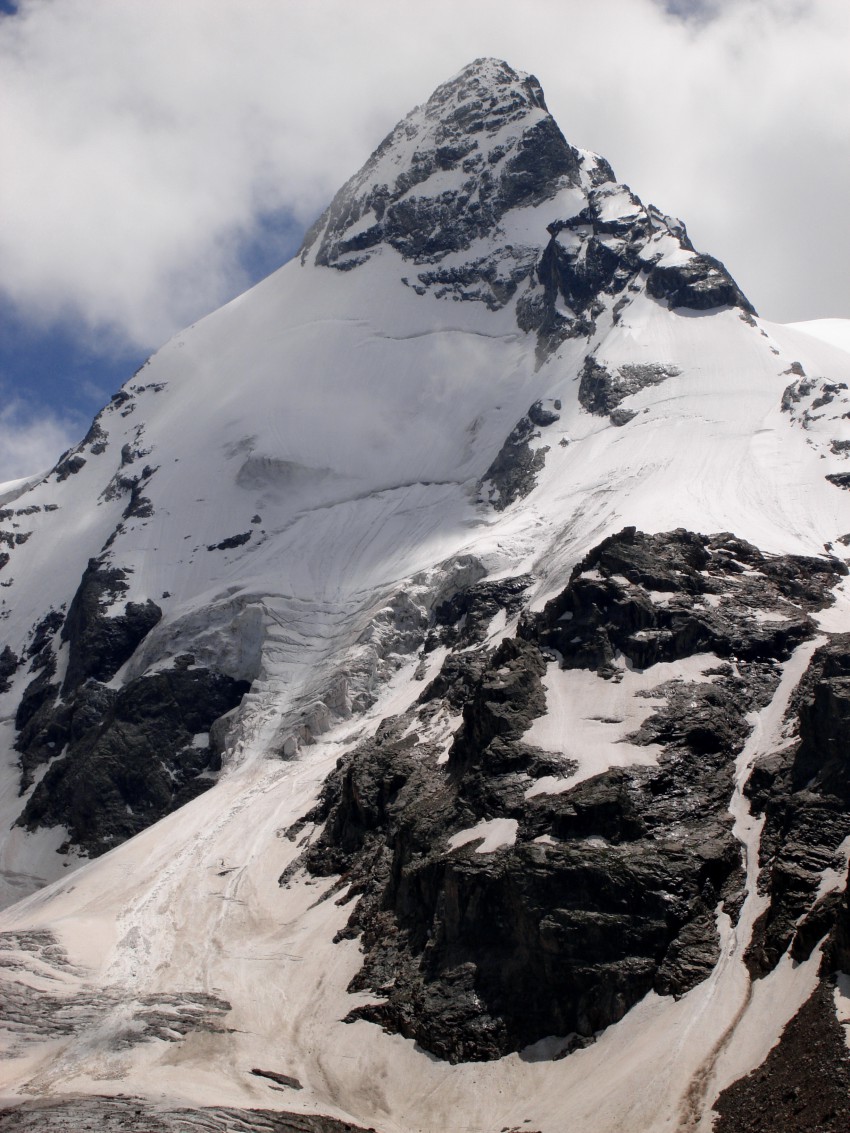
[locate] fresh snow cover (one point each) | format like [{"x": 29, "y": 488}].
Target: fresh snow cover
[
  {"x": 834, "y": 331},
  {"x": 355, "y": 418},
  {"x": 491, "y": 834},
  {"x": 588, "y": 718}
]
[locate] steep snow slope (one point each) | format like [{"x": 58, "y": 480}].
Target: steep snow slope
[
  {"x": 834, "y": 331},
  {"x": 488, "y": 358}
]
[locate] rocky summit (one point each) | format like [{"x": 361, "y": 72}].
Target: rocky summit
[{"x": 424, "y": 691}]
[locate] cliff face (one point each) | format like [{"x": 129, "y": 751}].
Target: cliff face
[{"x": 517, "y": 892}]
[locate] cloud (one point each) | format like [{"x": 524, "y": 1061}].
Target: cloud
[
  {"x": 31, "y": 443},
  {"x": 151, "y": 141}
]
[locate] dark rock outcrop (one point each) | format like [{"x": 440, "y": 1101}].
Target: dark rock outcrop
[
  {"x": 804, "y": 793},
  {"x": 514, "y": 471},
  {"x": 99, "y": 644},
  {"x": 230, "y": 542},
  {"x": 465, "y": 618},
  {"x": 594, "y": 257},
  {"x": 698, "y": 284},
  {"x": 8, "y": 667},
  {"x": 597, "y": 616},
  {"x": 594, "y": 893},
  {"x": 455, "y": 132},
  {"x": 69, "y": 466},
  {"x": 804, "y": 1083},
  {"x": 401, "y": 198},
  {"x": 132, "y": 755},
  {"x": 601, "y": 391}
]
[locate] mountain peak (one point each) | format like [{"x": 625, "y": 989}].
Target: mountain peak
[
  {"x": 479, "y": 187},
  {"x": 489, "y": 89},
  {"x": 483, "y": 144}
]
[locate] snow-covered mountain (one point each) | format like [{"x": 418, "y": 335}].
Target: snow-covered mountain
[{"x": 449, "y": 642}]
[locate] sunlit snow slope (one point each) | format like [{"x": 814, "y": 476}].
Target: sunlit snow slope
[{"x": 297, "y": 482}]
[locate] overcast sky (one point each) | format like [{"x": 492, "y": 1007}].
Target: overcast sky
[{"x": 158, "y": 156}]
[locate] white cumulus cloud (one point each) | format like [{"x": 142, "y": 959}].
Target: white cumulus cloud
[
  {"x": 31, "y": 443},
  {"x": 141, "y": 140}
]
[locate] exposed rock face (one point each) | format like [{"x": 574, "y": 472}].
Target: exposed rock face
[
  {"x": 465, "y": 618},
  {"x": 612, "y": 246},
  {"x": 497, "y": 903},
  {"x": 99, "y": 644},
  {"x": 598, "y": 616},
  {"x": 804, "y": 793},
  {"x": 231, "y": 542},
  {"x": 126, "y": 756},
  {"x": 699, "y": 284},
  {"x": 804, "y": 1083},
  {"x": 70, "y": 466},
  {"x": 46, "y": 726},
  {"x": 601, "y": 392},
  {"x": 513, "y": 474},
  {"x": 132, "y": 755},
  {"x": 438, "y": 187},
  {"x": 460, "y": 128},
  {"x": 8, "y": 667}
]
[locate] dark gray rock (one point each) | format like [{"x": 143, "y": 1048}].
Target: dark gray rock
[
  {"x": 605, "y": 257},
  {"x": 698, "y": 284},
  {"x": 131, "y": 756},
  {"x": 69, "y": 466},
  {"x": 804, "y": 1083},
  {"x": 99, "y": 644},
  {"x": 611, "y": 886},
  {"x": 514, "y": 471},
  {"x": 601, "y": 391},
  {"x": 464, "y": 619},
  {"x": 622, "y": 417},
  {"x": 37, "y": 692},
  {"x": 45, "y": 731},
  {"x": 804, "y": 793},
  {"x": 8, "y": 667},
  {"x": 540, "y": 416},
  {"x": 42, "y": 634},
  {"x": 597, "y": 616},
  {"x": 230, "y": 542},
  {"x": 286, "y": 1080},
  {"x": 594, "y": 390},
  {"x": 139, "y": 506},
  {"x": 589, "y": 259},
  {"x": 465, "y": 113}
]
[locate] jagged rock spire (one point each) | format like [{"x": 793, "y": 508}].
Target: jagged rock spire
[
  {"x": 483, "y": 143},
  {"x": 442, "y": 190}
]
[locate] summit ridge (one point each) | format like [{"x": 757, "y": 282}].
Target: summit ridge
[{"x": 480, "y": 187}]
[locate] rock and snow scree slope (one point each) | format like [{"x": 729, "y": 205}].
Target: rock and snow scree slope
[{"x": 424, "y": 687}]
